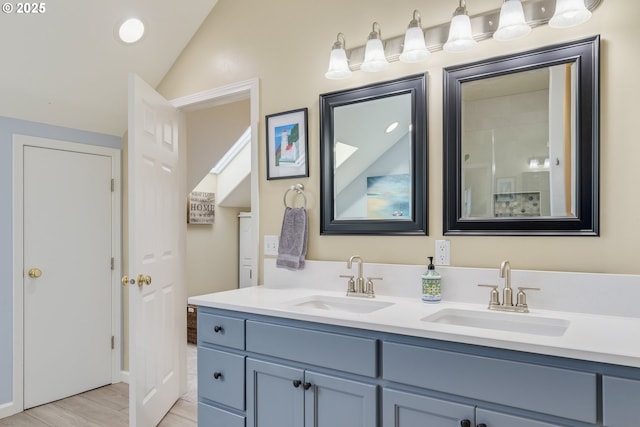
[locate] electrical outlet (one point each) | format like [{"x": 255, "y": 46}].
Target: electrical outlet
[
  {"x": 271, "y": 245},
  {"x": 443, "y": 252}
]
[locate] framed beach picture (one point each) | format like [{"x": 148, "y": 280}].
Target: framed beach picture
[
  {"x": 287, "y": 144},
  {"x": 389, "y": 197}
]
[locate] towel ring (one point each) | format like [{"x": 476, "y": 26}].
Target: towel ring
[{"x": 298, "y": 189}]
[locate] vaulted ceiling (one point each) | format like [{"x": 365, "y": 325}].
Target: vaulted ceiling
[{"x": 66, "y": 67}]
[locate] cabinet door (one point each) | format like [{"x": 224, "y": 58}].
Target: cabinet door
[
  {"x": 497, "y": 419},
  {"x": 401, "y": 409},
  {"x": 620, "y": 398},
  {"x": 336, "y": 402},
  {"x": 273, "y": 400}
]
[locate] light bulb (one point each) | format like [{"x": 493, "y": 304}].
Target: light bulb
[
  {"x": 374, "y": 57},
  {"x": 512, "y": 23},
  {"x": 338, "y": 63},
  {"x": 569, "y": 13},
  {"x": 415, "y": 49}
]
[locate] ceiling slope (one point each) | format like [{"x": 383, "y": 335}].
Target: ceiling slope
[{"x": 65, "y": 66}]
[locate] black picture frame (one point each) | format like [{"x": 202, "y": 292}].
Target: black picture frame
[
  {"x": 585, "y": 54},
  {"x": 416, "y": 224}
]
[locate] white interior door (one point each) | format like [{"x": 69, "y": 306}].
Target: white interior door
[
  {"x": 67, "y": 249},
  {"x": 157, "y": 226}
]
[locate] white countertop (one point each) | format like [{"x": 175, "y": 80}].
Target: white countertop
[{"x": 592, "y": 337}]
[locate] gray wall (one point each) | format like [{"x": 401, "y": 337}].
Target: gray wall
[{"x": 9, "y": 127}]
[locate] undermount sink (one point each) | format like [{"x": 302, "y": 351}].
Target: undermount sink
[
  {"x": 510, "y": 322},
  {"x": 341, "y": 304}
]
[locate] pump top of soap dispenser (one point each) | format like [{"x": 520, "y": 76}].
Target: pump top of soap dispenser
[{"x": 431, "y": 266}]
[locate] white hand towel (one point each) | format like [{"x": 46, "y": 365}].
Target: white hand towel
[{"x": 292, "y": 247}]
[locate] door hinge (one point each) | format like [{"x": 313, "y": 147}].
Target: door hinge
[
  {"x": 113, "y": 342},
  {"x": 113, "y": 185},
  {"x": 113, "y": 263}
]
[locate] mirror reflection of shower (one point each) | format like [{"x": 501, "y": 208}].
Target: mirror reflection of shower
[{"x": 518, "y": 144}]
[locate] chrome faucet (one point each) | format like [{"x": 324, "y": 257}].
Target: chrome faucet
[
  {"x": 359, "y": 279},
  {"x": 507, "y": 293},
  {"x": 358, "y": 287}
]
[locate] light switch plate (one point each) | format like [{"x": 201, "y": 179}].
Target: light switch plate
[{"x": 271, "y": 245}]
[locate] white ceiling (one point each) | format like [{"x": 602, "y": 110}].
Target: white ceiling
[
  {"x": 363, "y": 126},
  {"x": 65, "y": 66}
]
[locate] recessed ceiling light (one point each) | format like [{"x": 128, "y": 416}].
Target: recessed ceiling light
[{"x": 131, "y": 30}]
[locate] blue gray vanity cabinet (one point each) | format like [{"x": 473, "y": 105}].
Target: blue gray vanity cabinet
[
  {"x": 281, "y": 372},
  {"x": 544, "y": 389},
  {"x": 621, "y": 401},
  {"x": 282, "y": 396},
  {"x": 299, "y": 391},
  {"x": 402, "y": 409},
  {"x": 221, "y": 370}
]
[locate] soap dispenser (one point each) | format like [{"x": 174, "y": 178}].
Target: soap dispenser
[{"x": 431, "y": 284}]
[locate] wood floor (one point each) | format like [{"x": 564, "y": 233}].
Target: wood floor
[{"x": 107, "y": 407}]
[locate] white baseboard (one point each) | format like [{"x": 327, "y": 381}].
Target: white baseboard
[
  {"x": 8, "y": 409},
  {"x": 124, "y": 377}
]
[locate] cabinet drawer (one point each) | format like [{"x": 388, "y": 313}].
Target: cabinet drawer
[
  {"x": 620, "y": 399},
  {"x": 215, "y": 417},
  {"x": 336, "y": 351},
  {"x": 221, "y": 330},
  {"x": 497, "y": 419},
  {"x": 221, "y": 377},
  {"x": 544, "y": 389}
]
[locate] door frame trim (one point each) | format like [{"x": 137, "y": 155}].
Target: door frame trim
[
  {"x": 247, "y": 89},
  {"x": 19, "y": 142}
]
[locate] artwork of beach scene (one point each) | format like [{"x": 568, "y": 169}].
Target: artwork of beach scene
[{"x": 389, "y": 197}]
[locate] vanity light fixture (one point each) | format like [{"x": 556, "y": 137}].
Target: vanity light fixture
[
  {"x": 512, "y": 23},
  {"x": 513, "y": 20},
  {"x": 415, "y": 48},
  {"x": 569, "y": 13},
  {"x": 338, "y": 63},
  {"x": 539, "y": 163},
  {"x": 374, "y": 57},
  {"x": 534, "y": 163},
  {"x": 460, "y": 35}
]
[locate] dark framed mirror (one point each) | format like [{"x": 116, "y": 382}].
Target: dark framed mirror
[
  {"x": 373, "y": 145},
  {"x": 521, "y": 143}
]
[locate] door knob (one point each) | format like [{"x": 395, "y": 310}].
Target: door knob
[
  {"x": 126, "y": 281},
  {"x": 34, "y": 273},
  {"x": 144, "y": 280}
]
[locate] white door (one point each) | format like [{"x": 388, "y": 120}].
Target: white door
[
  {"x": 67, "y": 249},
  {"x": 157, "y": 226}
]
